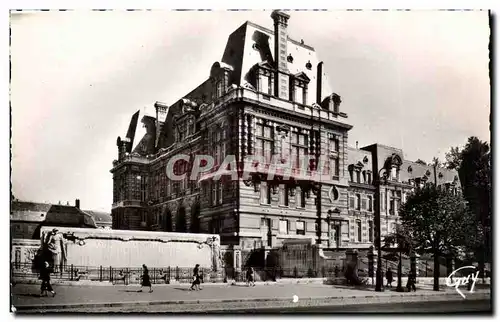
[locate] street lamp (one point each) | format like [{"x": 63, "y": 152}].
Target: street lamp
[{"x": 382, "y": 179}]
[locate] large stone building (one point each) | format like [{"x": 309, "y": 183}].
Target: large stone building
[{"x": 269, "y": 95}]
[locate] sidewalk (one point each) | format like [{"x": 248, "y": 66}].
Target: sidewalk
[{"x": 26, "y": 297}]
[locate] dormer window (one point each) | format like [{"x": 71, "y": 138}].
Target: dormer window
[
  {"x": 290, "y": 58},
  {"x": 299, "y": 95},
  {"x": 298, "y": 88},
  {"x": 332, "y": 103},
  {"x": 351, "y": 173},
  {"x": 264, "y": 79},
  {"x": 265, "y": 84},
  {"x": 218, "y": 89},
  {"x": 309, "y": 65}
]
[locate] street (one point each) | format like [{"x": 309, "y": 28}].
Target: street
[
  {"x": 476, "y": 306},
  {"x": 286, "y": 298}
]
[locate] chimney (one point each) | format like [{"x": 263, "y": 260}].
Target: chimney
[
  {"x": 319, "y": 84},
  {"x": 77, "y": 203},
  {"x": 281, "y": 88}
]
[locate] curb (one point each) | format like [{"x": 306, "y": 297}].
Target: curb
[{"x": 227, "y": 301}]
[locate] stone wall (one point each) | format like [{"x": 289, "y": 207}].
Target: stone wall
[
  {"x": 23, "y": 251},
  {"x": 119, "y": 248}
]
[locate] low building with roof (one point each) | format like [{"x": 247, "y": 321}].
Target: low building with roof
[{"x": 27, "y": 218}]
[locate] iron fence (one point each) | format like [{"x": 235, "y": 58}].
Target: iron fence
[{"x": 117, "y": 275}]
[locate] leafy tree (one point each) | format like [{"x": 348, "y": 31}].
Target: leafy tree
[
  {"x": 402, "y": 239},
  {"x": 453, "y": 158},
  {"x": 473, "y": 164},
  {"x": 438, "y": 222}
]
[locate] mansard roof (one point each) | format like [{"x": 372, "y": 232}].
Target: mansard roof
[{"x": 252, "y": 44}]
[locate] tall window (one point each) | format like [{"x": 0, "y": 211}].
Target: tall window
[
  {"x": 352, "y": 202},
  {"x": 391, "y": 203},
  {"x": 358, "y": 226},
  {"x": 264, "y": 141},
  {"x": 383, "y": 201},
  {"x": 302, "y": 198},
  {"x": 284, "y": 195},
  {"x": 214, "y": 193},
  {"x": 358, "y": 201},
  {"x": 334, "y": 150},
  {"x": 300, "y": 227},
  {"x": 144, "y": 186},
  {"x": 299, "y": 95},
  {"x": 370, "y": 231},
  {"x": 351, "y": 175},
  {"x": 358, "y": 176},
  {"x": 368, "y": 178},
  {"x": 218, "y": 145},
  {"x": 265, "y": 84},
  {"x": 219, "y": 89},
  {"x": 336, "y": 166},
  {"x": 334, "y": 144},
  {"x": 283, "y": 227},
  {"x": 265, "y": 193},
  {"x": 299, "y": 149},
  {"x": 370, "y": 203},
  {"x": 221, "y": 191}
]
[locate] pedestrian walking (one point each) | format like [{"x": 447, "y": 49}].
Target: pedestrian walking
[
  {"x": 196, "y": 278},
  {"x": 146, "y": 282},
  {"x": 45, "y": 271},
  {"x": 410, "y": 284},
  {"x": 250, "y": 279},
  {"x": 388, "y": 276}
]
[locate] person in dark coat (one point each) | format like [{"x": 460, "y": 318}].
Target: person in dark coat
[
  {"x": 250, "y": 280},
  {"x": 45, "y": 277},
  {"x": 411, "y": 282},
  {"x": 388, "y": 276},
  {"x": 196, "y": 278},
  {"x": 146, "y": 282}
]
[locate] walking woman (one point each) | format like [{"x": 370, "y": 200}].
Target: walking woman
[
  {"x": 146, "y": 282},
  {"x": 388, "y": 276},
  {"x": 250, "y": 279},
  {"x": 45, "y": 277},
  {"x": 196, "y": 278}
]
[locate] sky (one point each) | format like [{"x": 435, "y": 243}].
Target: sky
[{"x": 416, "y": 80}]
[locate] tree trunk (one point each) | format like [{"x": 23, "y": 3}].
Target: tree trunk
[
  {"x": 400, "y": 274},
  {"x": 436, "y": 270}
]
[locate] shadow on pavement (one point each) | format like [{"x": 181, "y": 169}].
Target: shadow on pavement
[
  {"x": 130, "y": 291},
  {"x": 357, "y": 288},
  {"x": 28, "y": 294}
]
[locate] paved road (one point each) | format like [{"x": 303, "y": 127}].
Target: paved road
[
  {"x": 472, "y": 306},
  {"x": 177, "y": 298},
  {"x": 66, "y": 295}
]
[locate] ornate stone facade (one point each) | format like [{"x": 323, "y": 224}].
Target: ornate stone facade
[{"x": 258, "y": 101}]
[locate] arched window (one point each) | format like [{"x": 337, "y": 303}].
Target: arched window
[{"x": 180, "y": 222}]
